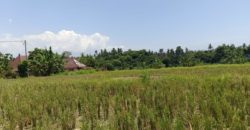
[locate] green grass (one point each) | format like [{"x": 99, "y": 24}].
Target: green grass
[
  {"x": 202, "y": 97},
  {"x": 77, "y": 72}
]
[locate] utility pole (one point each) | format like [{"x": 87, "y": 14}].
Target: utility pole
[{"x": 25, "y": 46}]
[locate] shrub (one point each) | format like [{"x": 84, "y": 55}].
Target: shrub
[{"x": 23, "y": 69}]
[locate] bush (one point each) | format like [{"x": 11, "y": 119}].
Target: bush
[
  {"x": 110, "y": 66},
  {"x": 23, "y": 69},
  {"x": 10, "y": 75}
]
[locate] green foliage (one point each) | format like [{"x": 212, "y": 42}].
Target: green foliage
[
  {"x": 87, "y": 60},
  {"x": 66, "y": 54},
  {"x": 77, "y": 72},
  {"x": 205, "y": 56},
  {"x": 117, "y": 59},
  {"x": 23, "y": 69},
  {"x": 188, "y": 59},
  {"x": 5, "y": 69},
  {"x": 229, "y": 54},
  {"x": 43, "y": 62},
  {"x": 145, "y": 77}
]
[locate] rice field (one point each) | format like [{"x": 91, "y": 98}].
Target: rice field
[{"x": 194, "y": 98}]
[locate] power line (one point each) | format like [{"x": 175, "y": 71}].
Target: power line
[{"x": 11, "y": 41}]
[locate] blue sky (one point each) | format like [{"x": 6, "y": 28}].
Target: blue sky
[{"x": 135, "y": 24}]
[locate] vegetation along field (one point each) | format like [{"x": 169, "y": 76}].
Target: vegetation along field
[{"x": 201, "y": 97}]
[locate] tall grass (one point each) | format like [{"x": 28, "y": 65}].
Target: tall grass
[{"x": 208, "y": 97}]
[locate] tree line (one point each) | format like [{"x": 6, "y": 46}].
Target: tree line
[
  {"x": 117, "y": 59},
  {"x": 44, "y": 62}
]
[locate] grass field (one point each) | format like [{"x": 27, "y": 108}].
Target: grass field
[{"x": 203, "y": 97}]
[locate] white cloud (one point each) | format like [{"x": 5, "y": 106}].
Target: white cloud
[{"x": 63, "y": 40}]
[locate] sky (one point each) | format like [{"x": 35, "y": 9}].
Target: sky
[{"x": 87, "y": 25}]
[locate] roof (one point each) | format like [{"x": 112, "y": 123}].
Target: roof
[
  {"x": 14, "y": 63},
  {"x": 71, "y": 64}
]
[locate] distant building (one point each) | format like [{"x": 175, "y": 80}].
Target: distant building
[
  {"x": 72, "y": 64},
  {"x": 15, "y": 62}
]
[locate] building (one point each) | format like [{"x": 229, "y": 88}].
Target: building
[
  {"x": 15, "y": 62},
  {"x": 69, "y": 63},
  {"x": 72, "y": 64}
]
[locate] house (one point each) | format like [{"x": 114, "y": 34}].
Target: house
[
  {"x": 15, "y": 62},
  {"x": 72, "y": 64}
]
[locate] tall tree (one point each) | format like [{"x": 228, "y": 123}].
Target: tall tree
[
  {"x": 43, "y": 62},
  {"x": 5, "y": 68},
  {"x": 210, "y": 47}
]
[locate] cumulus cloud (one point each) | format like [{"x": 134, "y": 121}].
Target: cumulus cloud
[{"x": 64, "y": 40}]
